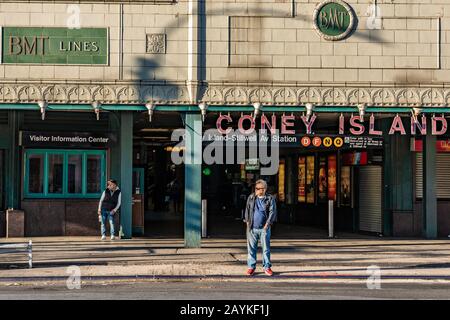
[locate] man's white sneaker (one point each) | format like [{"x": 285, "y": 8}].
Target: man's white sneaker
[
  {"x": 103, "y": 237},
  {"x": 113, "y": 238}
]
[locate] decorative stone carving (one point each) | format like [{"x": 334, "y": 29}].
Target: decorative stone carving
[
  {"x": 156, "y": 43},
  {"x": 177, "y": 93}
]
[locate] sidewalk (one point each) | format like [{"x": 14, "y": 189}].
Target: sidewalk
[{"x": 225, "y": 259}]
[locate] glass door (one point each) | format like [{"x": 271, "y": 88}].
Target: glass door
[{"x": 138, "y": 201}]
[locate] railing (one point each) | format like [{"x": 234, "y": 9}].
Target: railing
[{"x": 15, "y": 247}]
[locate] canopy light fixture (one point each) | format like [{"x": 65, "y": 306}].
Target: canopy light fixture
[
  {"x": 257, "y": 106},
  {"x": 309, "y": 110},
  {"x": 43, "y": 106},
  {"x": 416, "y": 112},
  {"x": 150, "y": 107},
  {"x": 362, "y": 110},
  {"x": 96, "y": 106},
  {"x": 203, "y": 107}
]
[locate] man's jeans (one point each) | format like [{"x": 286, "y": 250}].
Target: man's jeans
[
  {"x": 107, "y": 215},
  {"x": 252, "y": 246}
]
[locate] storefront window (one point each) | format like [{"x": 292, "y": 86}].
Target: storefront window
[
  {"x": 64, "y": 173},
  {"x": 75, "y": 174},
  {"x": 94, "y": 173},
  {"x": 55, "y": 173},
  {"x": 281, "y": 178},
  {"x": 36, "y": 170},
  {"x": 345, "y": 186},
  {"x": 310, "y": 187},
  {"x": 332, "y": 177},
  {"x": 301, "y": 197},
  {"x": 323, "y": 183}
]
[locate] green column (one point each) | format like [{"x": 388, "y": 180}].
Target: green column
[
  {"x": 193, "y": 180},
  {"x": 429, "y": 202},
  {"x": 126, "y": 172},
  {"x": 13, "y": 172}
]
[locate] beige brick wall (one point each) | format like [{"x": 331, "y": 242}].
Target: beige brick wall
[
  {"x": 407, "y": 41},
  {"x": 138, "y": 21},
  {"x": 257, "y": 40}
]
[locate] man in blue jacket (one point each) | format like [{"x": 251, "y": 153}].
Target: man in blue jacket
[{"x": 260, "y": 214}]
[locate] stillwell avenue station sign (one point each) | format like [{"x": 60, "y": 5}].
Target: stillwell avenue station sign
[{"x": 54, "y": 45}]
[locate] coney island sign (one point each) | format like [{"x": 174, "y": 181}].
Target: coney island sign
[{"x": 355, "y": 124}]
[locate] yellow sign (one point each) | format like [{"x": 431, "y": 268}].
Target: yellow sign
[
  {"x": 338, "y": 142},
  {"x": 327, "y": 142}
]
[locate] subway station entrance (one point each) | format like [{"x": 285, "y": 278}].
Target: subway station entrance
[
  {"x": 314, "y": 168},
  {"x": 349, "y": 162},
  {"x": 158, "y": 184}
]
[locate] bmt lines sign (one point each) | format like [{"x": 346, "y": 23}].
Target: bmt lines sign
[{"x": 40, "y": 45}]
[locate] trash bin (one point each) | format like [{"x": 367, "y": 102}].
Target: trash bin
[{"x": 15, "y": 223}]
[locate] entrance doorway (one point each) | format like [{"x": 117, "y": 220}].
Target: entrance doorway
[
  {"x": 2, "y": 180},
  {"x": 324, "y": 167},
  {"x": 157, "y": 181}
]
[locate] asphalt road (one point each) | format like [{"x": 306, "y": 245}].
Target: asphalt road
[{"x": 223, "y": 290}]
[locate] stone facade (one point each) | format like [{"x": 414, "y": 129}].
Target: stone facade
[{"x": 243, "y": 51}]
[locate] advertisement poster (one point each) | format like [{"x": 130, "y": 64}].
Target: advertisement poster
[
  {"x": 301, "y": 179},
  {"x": 322, "y": 193},
  {"x": 242, "y": 172},
  {"x": 281, "y": 178},
  {"x": 332, "y": 164},
  {"x": 354, "y": 158},
  {"x": 310, "y": 187},
  {"x": 345, "y": 186}
]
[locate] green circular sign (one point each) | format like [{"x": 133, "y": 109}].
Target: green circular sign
[
  {"x": 334, "y": 20},
  {"x": 207, "y": 171}
]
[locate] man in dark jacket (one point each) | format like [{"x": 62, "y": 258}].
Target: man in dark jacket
[
  {"x": 108, "y": 207},
  {"x": 260, "y": 214}
]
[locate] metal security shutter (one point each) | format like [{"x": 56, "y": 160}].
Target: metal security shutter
[
  {"x": 442, "y": 175},
  {"x": 370, "y": 192}
]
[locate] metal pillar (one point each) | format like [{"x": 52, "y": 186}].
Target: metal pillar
[
  {"x": 330, "y": 219},
  {"x": 193, "y": 181},
  {"x": 429, "y": 203},
  {"x": 204, "y": 218},
  {"x": 126, "y": 172}
]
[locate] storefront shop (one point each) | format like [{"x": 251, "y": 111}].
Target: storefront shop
[
  {"x": 63, "y": 178},
  {"x": 64, "y": 171}
]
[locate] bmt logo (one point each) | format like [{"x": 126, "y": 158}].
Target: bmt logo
[
  {"x": 334, "y": 18},
  {"x": 27, "y": 46}
]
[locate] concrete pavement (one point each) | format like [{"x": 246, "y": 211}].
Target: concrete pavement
[{"x": 316, "y": 260}]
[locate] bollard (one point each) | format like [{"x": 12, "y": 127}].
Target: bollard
[
  {"x": 30, "y": 254},
  {"x": 204, "y": 221},
  {"x": 330, "y": 219}
]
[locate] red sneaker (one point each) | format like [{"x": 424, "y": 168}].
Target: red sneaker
[
  {"x": 250, "y": 271},
  {"x": 268, "y": 272}
]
